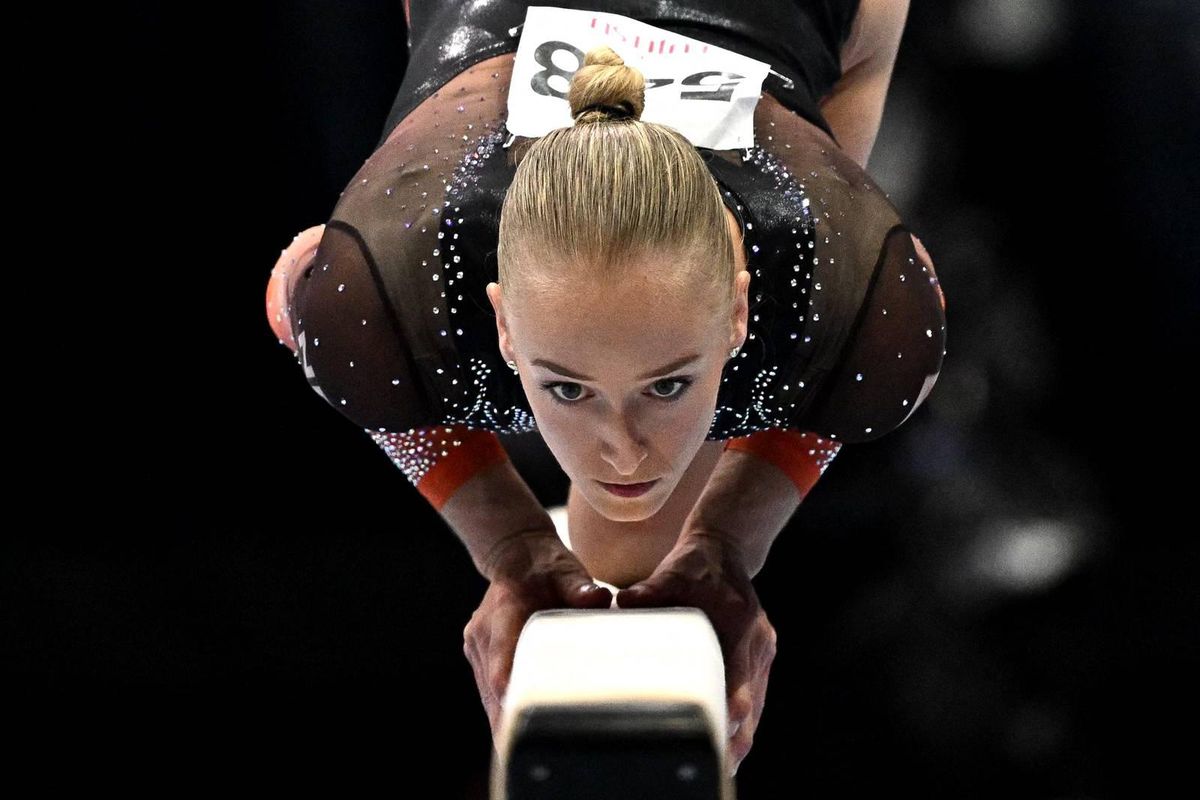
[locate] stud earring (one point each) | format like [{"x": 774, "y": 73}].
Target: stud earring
[
  {"x": 513, "y": 366},
  {"x": 733, "y": 353}
]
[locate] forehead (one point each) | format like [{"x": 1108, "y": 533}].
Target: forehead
[{"x": 640, "y": 309}]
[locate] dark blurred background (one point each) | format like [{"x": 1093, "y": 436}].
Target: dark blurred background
[{"x": 997, "y": 600}]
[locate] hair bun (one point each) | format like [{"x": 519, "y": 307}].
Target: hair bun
[{"x": 606, "y": 88}]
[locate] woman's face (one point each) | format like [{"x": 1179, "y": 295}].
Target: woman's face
[{"x": 622, "y": 382}]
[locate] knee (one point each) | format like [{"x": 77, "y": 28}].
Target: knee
[
  {"x": 291, "y": 262},
  {"x": 927, "y": 262}
]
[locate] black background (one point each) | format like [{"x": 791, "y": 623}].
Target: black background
[{"x": 244, "y": 592}]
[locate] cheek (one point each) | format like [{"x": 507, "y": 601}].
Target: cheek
[
  {"x": 564, "y": 439},
  {"x": 695, "y": 417}
]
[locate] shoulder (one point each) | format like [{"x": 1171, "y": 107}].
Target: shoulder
[{"x": 876, "y": 30}]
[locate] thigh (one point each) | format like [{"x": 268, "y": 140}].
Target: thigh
[{"x": 622, "y": 553}]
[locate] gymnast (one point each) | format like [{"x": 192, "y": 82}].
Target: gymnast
[{"x": 695, "y": 333}]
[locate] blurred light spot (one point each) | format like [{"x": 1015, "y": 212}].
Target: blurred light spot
[
  {"x": 1011, "y": 31},
  {"x": 1026, "y": 555}
]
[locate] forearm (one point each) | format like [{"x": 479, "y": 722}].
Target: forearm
[
  {"x": 758, "y": 483},
  {"x": 492, "y": 506},
  {"x": 466, "y": 476},
  {"x": 747, "y": 501}
]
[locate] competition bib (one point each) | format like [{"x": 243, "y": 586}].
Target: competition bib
[{"x": 705, "y": 92}]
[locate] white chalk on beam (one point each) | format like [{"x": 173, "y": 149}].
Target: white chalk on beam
[{"x": 614, "y": 702}]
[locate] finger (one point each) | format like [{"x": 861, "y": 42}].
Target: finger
[
  {"x": 661, "y": 588},
  {"x": 743, "y": 738},
  {"x": 491, "y": 705},
  {"x": 507, "y": 623},
  {"x": 486, "y": 697},
  {"x": 493, "y": 711},
  {"x": 762, "y": 673},
  {"x": 590, "y": 595},
  {"x": 577, "y": 588},
  {"x": 746, "y": 704},
  {"x": 738, "y": 669},
  {"x": 741, "y": 705},
  {"x": 758, "y": 704},
  {"x": 471, "y": 651},
  {"x": 739, "y": 746},
  {"x": 765, "y": 642}
]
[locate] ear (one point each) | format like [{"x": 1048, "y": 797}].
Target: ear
[
  {"x": 741, "y": 281},
  {"x": 741, "y": 308},
  {"x": 495, "y": 295}
]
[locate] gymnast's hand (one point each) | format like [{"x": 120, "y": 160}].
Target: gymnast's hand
[
  {"x": 703, "y": 571},
  {"x": 529, "y": 572}
]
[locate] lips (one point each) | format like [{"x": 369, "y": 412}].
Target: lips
[{"x": 628, "y": 489}]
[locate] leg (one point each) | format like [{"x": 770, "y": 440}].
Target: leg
[
  {"x": 622, "y": 553},
  {"x": 291, "y": 262}
]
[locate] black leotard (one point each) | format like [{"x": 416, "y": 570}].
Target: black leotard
[
  {"x": 846, "y": 329},
  {"x": 800, "y": 39}
]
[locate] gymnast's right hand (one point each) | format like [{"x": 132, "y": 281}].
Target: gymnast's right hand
[{"x": 529, "y": 572}]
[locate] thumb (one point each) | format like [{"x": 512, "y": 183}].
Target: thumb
[
  {"x": 580, "y": 591},
  {"x": 662, "y": 588},
  {"x": 638, "y": 595}
]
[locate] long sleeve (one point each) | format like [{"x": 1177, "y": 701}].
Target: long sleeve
[{"x": 354, "y": 355}]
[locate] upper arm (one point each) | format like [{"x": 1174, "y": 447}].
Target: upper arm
[{"x": 854, "y": 108}]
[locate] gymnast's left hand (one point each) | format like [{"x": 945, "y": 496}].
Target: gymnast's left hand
[{"x": 704, "y": 571}]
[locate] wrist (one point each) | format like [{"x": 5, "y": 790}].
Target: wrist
[
  {"x": 518, "y": 554},
  {"x": 723, "y": 545},
  {"x": 493, "y": 510}
]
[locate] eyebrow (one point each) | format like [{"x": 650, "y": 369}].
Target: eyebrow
[{"x": 663, "y": 370}]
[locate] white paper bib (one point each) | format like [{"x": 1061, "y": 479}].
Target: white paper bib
[{"x": 705, "y": 92}]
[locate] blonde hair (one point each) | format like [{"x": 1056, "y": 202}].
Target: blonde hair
[{"x": 610, "y": 191}]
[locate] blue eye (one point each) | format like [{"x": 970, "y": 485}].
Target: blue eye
[
  {"x": 682, "y": 383},
  {"x": 551, "y": 386}
]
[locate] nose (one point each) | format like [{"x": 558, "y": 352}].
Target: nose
[{"x": 623, "y": 447}]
